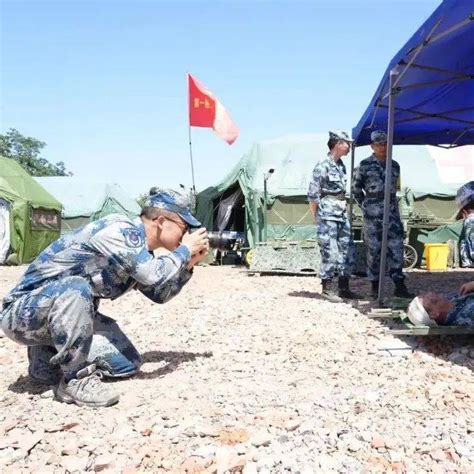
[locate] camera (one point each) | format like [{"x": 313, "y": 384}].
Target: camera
[{"x": 224, "y": 240}]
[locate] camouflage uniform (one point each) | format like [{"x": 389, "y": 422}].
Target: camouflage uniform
[
  {"x": 54, "y": 308},
  {"x": 467, "y": 242},
  {"x": 463, "y": 312},
  {"x": 368, "y": 189},
  {"x": 464, "y": 198},
  {"x": 328, "y": 188}
]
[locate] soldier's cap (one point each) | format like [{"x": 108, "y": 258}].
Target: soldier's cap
[
  {"x": 172, "y": 201},
  {"x": 464, "y": 197},
  {"x": 418, "y": 315},
  {"x": 378, "y": 137},
  {"x": 340, "y": 135}
]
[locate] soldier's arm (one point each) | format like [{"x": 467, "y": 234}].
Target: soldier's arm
[
  {"x": 164, "y": 292},
  {"x": 314, "y": 190},
  {"x": 123, "y": 244},
  {"x": 466, "y": 247},
  {"x": 358, "y": 186}
]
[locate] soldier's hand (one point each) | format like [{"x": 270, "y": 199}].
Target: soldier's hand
[
  {"x": 199, "y": 257},
  {"x": 467, "y": 288},
  {"x": 197, "y": 241}
]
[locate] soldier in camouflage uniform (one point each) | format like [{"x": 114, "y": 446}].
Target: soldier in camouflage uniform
[
  {"x": 368, "y": 189},
  {"x": 54, "y": 308},
  {"x": 433, "y": 309},
  {"x": 327, "y": 198},
  {"x": 465, "y": 202}
]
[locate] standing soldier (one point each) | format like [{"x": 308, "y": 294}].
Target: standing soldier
[
  {"x": 465, "y": 202},
  {"x": 368, "y": 189},
  {"x": 327, "y": 200}
]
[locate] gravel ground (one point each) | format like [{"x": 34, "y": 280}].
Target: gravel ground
[{"x": 254, "y": 374}]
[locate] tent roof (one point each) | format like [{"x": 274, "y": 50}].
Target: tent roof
[
  {"x": 293, "y": 158},
  {"x": 16, "y": 183},
  {"x": 84, "y": 198},
  {"x": 434, "y": 100}
]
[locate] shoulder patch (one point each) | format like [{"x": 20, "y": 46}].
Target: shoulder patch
[{"x": 133, "y": 237}]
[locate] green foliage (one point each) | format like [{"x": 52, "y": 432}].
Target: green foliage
[
  {"x": 141, "y": 199},
  {"x": 27, "y": 152}
]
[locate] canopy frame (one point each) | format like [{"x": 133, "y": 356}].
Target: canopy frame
[{"x": 396, "y": 72}]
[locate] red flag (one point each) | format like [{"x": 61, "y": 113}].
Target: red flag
[{"x": 205, "y": 110}]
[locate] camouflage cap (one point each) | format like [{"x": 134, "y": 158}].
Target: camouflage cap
[
  {"x": 172, "y": 201},
  {"x": 339, "y": 135},
  {"x": 378, "y": 137},
  {"x": 464, "y": 196}
]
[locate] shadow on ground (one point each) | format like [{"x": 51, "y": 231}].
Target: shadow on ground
[{"x": 172, "y": 360}]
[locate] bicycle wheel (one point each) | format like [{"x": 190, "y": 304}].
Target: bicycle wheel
[{"x": 410, "y": 257}]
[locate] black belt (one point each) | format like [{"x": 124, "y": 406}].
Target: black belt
[
  {"x": 380, "y": 195},
  {"x": 338, "y": 196}
]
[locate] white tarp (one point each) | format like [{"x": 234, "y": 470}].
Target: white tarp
[{"x": 4, "y": 230}]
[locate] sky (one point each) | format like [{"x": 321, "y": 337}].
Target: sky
[{"x": 103, "y": 82}]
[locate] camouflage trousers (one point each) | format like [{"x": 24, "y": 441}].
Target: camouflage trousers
[
  {"x": 335, "y": 246},
  {"x": 373, "y": 229},
  {"x": 63, "y": 330}
]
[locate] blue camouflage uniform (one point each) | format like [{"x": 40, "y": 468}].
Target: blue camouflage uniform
[
  {"x": 368, "y": 190},
  {"x": 328, "y": 189},
  {"x": 463, "y": 312},
  {"x": 465, "y": 202},
  {"x": 466, "y": 244},
  {"x": 54, "y": 308}
]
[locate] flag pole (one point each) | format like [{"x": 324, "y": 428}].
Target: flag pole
[
  {"x": 191, "y": 158},
  {"x": 190, "y": 142}
]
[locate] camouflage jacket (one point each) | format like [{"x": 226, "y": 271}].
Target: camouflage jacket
[
  {"x": 328, "y": 181},
  {"x": 463, "y": 312},
  {"x": 369, "y": 185},
  {"x": 466, "y": 244},
  {"x": 111, "y": 254}
]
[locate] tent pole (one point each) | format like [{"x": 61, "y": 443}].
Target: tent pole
[
  {"x": 351, "y": 197},
  {"x": 388, "y": 183},
  {"x": 265, "y": 210}
]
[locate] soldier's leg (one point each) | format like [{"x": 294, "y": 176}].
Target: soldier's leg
[
  {"x": 346, "y": 249},
  {"x": 373, "y": 242},
  {"x": 111, "y": 350},
  {"x": 346, "y": 262},
  {"x": 395, "y": 250},
  {"x": 59, "y": 315},
  {"x": 40, "y": 368},
  {"x": 395, "y": 258},
  {"x": 326, "y": 235}
]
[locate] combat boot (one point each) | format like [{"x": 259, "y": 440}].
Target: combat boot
[
  {"x": 86, "y": 389},
  {"x": 344, "y": 290},
  {"x": 374, "y": 291},
  {"x": 401, "y": 291},
  {"x": 328, "y": 291}
]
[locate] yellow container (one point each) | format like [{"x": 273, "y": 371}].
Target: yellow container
[{"x": 436, "y": 257}]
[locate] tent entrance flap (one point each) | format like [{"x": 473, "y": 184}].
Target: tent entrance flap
[{"x": 229, "y": 210}]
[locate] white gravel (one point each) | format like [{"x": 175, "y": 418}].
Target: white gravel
[{"x": 253, "y": 374}]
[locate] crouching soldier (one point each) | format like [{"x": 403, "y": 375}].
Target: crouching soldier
[{"x": 54, "y": 308}]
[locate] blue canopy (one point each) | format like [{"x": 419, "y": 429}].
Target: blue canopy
[{"x": 434, "y": 85}]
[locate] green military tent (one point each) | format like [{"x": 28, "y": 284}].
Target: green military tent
[
  {"x": 85, "y": 201},
  {"x": 30, "y": 218},
  {"x": 236, "y": 202}
]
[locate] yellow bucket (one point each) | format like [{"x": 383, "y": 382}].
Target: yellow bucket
[{"x": 436, "y": 257}]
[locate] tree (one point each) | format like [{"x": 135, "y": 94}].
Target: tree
[{"x": 26, "y": 151}]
